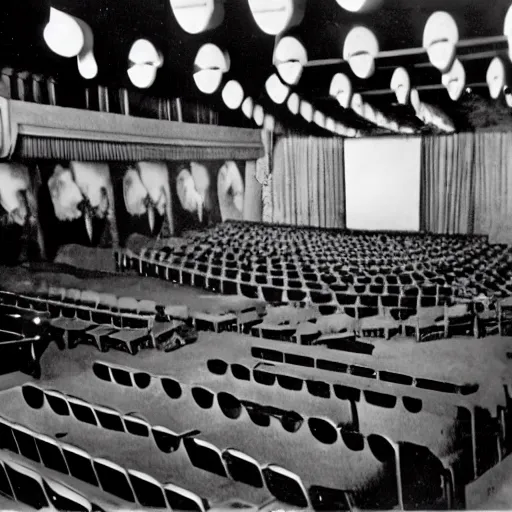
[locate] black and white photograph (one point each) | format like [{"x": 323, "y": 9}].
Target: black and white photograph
[{"x": 255, "y": 255}]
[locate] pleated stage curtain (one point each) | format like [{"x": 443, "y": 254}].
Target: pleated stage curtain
[
  {"x": 493, "y": 186},
  {"x": 447, "y": 183},
  {"x": 308, "y": 181}
]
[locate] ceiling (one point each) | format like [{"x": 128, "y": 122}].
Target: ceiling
[{"x": 398, "y": 24}]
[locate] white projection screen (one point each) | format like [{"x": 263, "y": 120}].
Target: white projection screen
[{"x": 382, "y": 183}]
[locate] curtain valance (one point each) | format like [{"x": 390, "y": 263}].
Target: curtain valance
[{"x": 32, "y": 130}]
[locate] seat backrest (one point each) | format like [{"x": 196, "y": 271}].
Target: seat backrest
[
  {"x": 73, "y": 294},
  {"x": 128, "y": 303},
  {"x": 108, "y": 299},
  {"x": 90, "y": 297},
  {"x": 146, "y": 306}
]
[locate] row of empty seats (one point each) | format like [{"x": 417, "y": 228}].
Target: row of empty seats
[
  {"x": 281, "y": 483},
  {"x": 242, "y": 258},
  {"x": 128, "y": 485},
  {"x": 465, "y": 439},
  {"x": 351, "y": 443},
  {"x": 21, "y": 482}
]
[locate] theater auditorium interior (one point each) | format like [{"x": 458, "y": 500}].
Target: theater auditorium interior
[{"x": 255, "y": 255}]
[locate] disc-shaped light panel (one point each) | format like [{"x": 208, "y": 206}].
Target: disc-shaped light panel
[
  {"x": 455, "y": 80},
  {"x": 233, "y": 94},
  {"x": 359, "y": 50},
  {"x": 269, "y": 123},
  {"x": 293, "y": 103},
  {"x": 306, "y": 111},
  {"x": 248, "y": 107},
  {"x": 330, "y": 124},
  {"x": 86, "y": 61},
  {"x": 496, "y": 77},
  {"x": 319, "y": 118},
  {"x": 210, "y": 64},
  {"x": 401, "y": 85},
  {"x": 358, "y": 5},
  {"x": 275, "y": 16},
  {"x": 290, "y": 57},
  {"x": 144, "y": 62},
  {"x": 258, "y": 115},
  {"x": 507, "y": 30},
  {"x": 196, "y": 16},
  {"x": 277, "y": 91},
  {"x": 508, "y": 96},
  {"x": 63, "y": 34},
  {"x": 341, "y": 89},
  {"x": 439, "y": 40}
]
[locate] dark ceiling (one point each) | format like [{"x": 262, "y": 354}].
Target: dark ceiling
[{"x": 398, "y": 24}]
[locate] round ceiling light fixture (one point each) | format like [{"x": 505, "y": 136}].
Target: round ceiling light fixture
[
  {"x": 330, "y": 124},
  {"x": 341, "y": 89},
  {"x": 293, "y": 103},
  {"x": 144, "y": 62},
  {"x": 269, "y": 123},
  {"x": 68, "y": 36},
  {"x": 306, "y": 111},
  {"x": 401, "y": 85},
  {"x": 358, "y": 5},
  {"x": 258, "y": 115},
  {"x": 248, "y": 107},
  {"x": 507, "y": 30},
  {"x": 359, "y": 50},
  {"x": 290, "y": 57},
  {"x": 197, "y": 16},
  {"x": 233, "y": 95},
  {"x": 496, "y": 77},
  {"x": 440, "y": 38},
  {"x": 209, "y": 66},
  {"x": 319, "y": 118},
  {"x": 455, "y": 80},
  {"x": 275, "y": 16},
  {"x": 63, "y": 34},
  {"x": 277, "y": 91}
]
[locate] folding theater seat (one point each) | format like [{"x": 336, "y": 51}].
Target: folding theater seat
[
  {"x": 128, "y": 340},
  {"x": 80, "y": 464},
  {"x": 147, "y": 309},
  {"x": 166, "y": 313},
  {"x": 55, "y": 300},
  {"x": 114, "y": 479},
  {"x": 107, "y": 304},
  {"x": 70, "y": 301},
  {"x": 68, "y": 332},
  {"x": 505, "y": 316},
  {"x": 98, "y": 336},
  {"x": 172, "y": 335},
  {"x": 127, "y": 305},
  {"x": 87, "y": 303},
  {"x": 460, "y": 319},
  {"x": 215, "y": 322},
  {"x": 428, "y": 324}
]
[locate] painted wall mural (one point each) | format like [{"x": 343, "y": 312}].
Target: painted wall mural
[
  {"x": 45, "y": 205},
  {"x": 78, "y": 205},
  {"x": 20, "y": 231}
]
